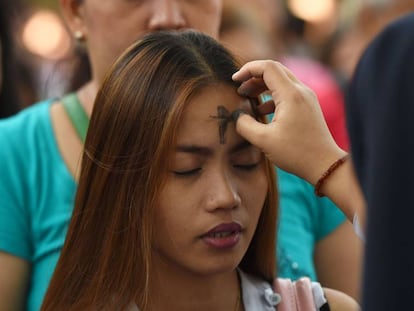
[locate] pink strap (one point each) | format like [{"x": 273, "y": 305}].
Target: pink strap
[{"x": 296, "y": 296}]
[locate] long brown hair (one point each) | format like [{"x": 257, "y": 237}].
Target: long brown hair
[{"x": 106, "y": 257}]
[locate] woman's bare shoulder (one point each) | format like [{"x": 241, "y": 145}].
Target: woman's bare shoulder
[{"x": 339, "y": 301}]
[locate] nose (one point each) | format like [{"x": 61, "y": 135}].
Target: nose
[
  {"x": 167, "y": 14},
  {"x": 222, "y": 193}
]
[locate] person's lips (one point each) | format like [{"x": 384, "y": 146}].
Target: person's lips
[{"x": 223, "y": 236}]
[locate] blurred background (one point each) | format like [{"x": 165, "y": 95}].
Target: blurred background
[{"x": 332, "y": 32}]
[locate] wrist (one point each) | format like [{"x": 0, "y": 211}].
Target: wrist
[
  {"x": 321, "y": 163},
  {"x": 319, "y": 185}
]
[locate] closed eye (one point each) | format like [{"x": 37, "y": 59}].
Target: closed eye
[
  {"x": 188, "y": 173},
  {"x": 246, "y": 167}
]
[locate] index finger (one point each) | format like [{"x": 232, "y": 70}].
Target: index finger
[{"x": 273, "y": 74}]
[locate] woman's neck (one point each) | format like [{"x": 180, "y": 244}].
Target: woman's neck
[
  {"x": 86, "y": 95},
  {"x": 183, "y": 290}
]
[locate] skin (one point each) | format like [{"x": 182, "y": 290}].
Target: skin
[
  {"x": 223, "y": 117},
  {"x": 108, "y": 26},
  {"x": 337, "y": 260},
  {"x": 338, "y": 301},
  {"x": 13, "y": 282},
  {"x": 209, "y": 184}
]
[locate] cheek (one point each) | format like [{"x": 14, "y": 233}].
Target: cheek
[
  {"x": 209, "y": 22},
  {"x": 113, "y": 27},
  {"x": 254, "y": 194},
  {"x": 114, "y": 38},
  {"x": 173, "y": 211}
]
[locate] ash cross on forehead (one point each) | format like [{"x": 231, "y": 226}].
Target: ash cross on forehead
[{"x": 224, "y": 117}]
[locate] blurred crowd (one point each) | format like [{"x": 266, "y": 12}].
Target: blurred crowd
[
  {"x": 42, "y": 60},
  {"x": 331, "y": 32}
]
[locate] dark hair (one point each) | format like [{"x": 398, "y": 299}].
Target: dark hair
[
  {"x": 106, "y": 257},
  {"x": 9, "y": 99},
  {"x": 81, "y": 69}
]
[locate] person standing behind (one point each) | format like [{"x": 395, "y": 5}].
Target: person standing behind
[{"x": 380, "y": 114}]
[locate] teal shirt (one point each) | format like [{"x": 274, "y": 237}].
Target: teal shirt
[
  {"x": 305, "y": 219},
  {"x": 37, "y": 195}
]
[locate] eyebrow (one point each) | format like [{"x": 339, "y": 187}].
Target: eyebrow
[
  {"x": 244, "y": 144},
  {"x": 205, "y": 151}
]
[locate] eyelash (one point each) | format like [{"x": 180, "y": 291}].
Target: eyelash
[
  {"x": 247, "y": 167},
  {"x": 193, "y": 172},
  {"x": 188, "y": 173}
]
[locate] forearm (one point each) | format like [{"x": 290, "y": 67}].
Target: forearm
[{"x": 343, "y": 189}]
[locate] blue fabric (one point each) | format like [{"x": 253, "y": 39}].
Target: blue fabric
[
  {"x": 305, "y": 219},
  {"x": 37, "y": 193}
]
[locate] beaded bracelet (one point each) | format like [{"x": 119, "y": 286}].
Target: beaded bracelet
[{"x": 327, "y": 173}]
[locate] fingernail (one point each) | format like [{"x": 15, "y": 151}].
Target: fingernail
[{"x": 236, "y": 114}]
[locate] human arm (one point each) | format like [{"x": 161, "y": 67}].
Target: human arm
[
  {"x": 297, "y": 139},
  {"x": 339, "y": 301},
  {"x": 14, "y": 279},
  {"x": 338, "y": 260},
  {"x": 15, "y": 242},
  {"x": 315, "y": 239},
  {"x": 14, "y": 269}
]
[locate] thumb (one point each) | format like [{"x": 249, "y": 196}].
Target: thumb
[{"x": 252, "y": 130}]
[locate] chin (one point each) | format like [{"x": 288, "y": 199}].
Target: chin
[{"x": 218, "y": 265}]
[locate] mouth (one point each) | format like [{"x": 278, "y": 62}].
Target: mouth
[
  {"x": 219, "y": 235},
  {"x": 223, "y": 236},
  {"x": 224, "y": 229}
]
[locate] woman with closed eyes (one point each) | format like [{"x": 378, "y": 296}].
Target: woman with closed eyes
[{"x": 175, "y": 210}]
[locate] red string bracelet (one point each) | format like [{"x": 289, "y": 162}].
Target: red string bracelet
[{"x": 327, "y": 173}]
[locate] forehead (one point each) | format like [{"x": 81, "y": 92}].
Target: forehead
[{"x": 202, "y": 111}]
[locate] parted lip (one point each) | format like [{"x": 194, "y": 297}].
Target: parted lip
[{"x": 224, "y": 227}]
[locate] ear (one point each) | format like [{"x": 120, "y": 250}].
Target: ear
[{"x": 73, "y": 12}]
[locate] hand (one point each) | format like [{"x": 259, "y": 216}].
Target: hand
[{"x": 297, "y": 139}]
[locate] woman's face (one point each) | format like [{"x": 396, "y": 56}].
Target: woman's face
[
  {"x": 215, "y": 189},
  {"x": 110, "y": 26}
]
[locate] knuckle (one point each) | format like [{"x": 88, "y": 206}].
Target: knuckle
[{"x": 296, "y": 95}]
